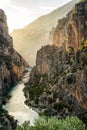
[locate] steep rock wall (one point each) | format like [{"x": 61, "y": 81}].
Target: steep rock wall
[
  {"x": 57, "y": 84},
  {"x": 12, "y": 67},
  {"x": 72, "y": 30}
]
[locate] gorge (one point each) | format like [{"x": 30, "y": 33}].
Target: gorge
[
  {"x": 57, "y": 85},
  {"x": 58, "y": 82},
  {"x": 17, "y": 108},
  {"x": 12, "y": 68},
  {"x": 28, "y": 40}
]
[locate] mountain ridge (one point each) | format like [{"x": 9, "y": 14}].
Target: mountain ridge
[
  {"x": 58, "y": 82},
  {"x": 33, "y": 36}
]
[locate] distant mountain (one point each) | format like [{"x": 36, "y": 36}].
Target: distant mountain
[{"x": 29, "y": 39}]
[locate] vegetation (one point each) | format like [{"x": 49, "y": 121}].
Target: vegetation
[
  {"x": 3, "y": 39},
  {"x": 70, "y": 50},
  {"x": 70, "y": 79},
  {"x": 83, "y": 45},
  {"x": 83, "y": 55},
  {"x": 35, "y": 91},
  {"x": 81, "y": 1},
  {"x": 75, "y": 12},
  {"x": 84, "y": 58},
  {"x": 38, "y": 86},
  {"x": 71, "y": 55},
  {"x": 46, "y": 123},
  {"x": 5, "y": 118}
]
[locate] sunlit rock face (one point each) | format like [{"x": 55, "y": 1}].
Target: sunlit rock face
[
  {"x": 4, "y": 27},
  {"x": 12, "y": 65},
  {"x": 59, "y": 79},
  {"x": 72, "y": 30},
  {"x": 50, "y": 58},
  {"x": 28, "y": 40},
  {"x": 59, "y": 83}
]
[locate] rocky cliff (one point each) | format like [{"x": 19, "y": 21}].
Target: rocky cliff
[
  {"x": 12, "y": 65},
  {"x": 72, "y": 30},
  {"x": 30, "y": 38},
  {"x": 58, "y": 82}
]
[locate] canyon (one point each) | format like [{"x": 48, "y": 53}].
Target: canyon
[
  {"x": 72, "y": 29},
  {"x": 12, "y": 68},
  {"x": 58, "y": 82},
  {"x": 28, "y": 40}
]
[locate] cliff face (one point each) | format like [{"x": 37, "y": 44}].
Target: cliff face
[
  {"x": 12, "y": 64},
  {"x": 58, "y": 82},
  {"x": 28, "y": 40},
  {"x": 47, "y": 62},
  {"x": 72, "y": 30}
]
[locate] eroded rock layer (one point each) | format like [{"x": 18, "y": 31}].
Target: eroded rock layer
[
  {"x": 58, "y": 82},
  {"x": 72, "y": 30},
  {"x": 12, "y": 66}
]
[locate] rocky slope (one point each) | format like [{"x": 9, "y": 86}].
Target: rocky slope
[
  {"x": 29, "y": 39},
  {"x": 58, "y": 82},
  {"x": 72, "y": 30},
  {"x": 12, "y": 67}
]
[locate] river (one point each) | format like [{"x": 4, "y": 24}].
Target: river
[{"x": 16, "y": 106}]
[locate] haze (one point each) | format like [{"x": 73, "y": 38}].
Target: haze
[{"x": 22, "y": 12}]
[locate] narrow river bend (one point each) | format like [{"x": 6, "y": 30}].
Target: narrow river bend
[{"x": 17, "y": 108}]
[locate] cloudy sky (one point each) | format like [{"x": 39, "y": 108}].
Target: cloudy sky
[{"x": 22, "y": 12}]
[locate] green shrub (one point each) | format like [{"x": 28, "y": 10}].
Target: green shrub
[
  {"x": 55, "y": 94},
  {"x": 59, "y": 106},
  {"x": 70, "y": 50},
  {"x": 35, "y": 91},
  {"x": 85, "y": 43},
  {"x": 83, "y": 58},
  {"x": 50, "y": 100},
  {"x": 45, "y": 123}
]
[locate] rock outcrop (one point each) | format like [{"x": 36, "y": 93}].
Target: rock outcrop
[
  {"x": 58, "y": 82},
  {"x": 46, "y": 59},
  {"x": 72, "y": 30},
  {"x": 28, "y": 40},
  {"x": 12, "y": 65}
]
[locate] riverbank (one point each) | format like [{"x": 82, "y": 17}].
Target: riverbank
[
  {"x": 16, "y": 105},
  {"x": 17, "y": 108}
]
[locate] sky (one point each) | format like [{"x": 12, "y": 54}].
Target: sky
[{"x": 22, "y": 12}]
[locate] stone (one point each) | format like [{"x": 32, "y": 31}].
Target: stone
[
  {"x": 60, "y": 73},
  {"x": 71, "y": 29},
  {"x": 12, "y": 66}
]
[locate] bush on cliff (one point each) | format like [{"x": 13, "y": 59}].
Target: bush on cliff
[
  {"x": 45, "y": 123},
  {"x": 83, "y": 58}
]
